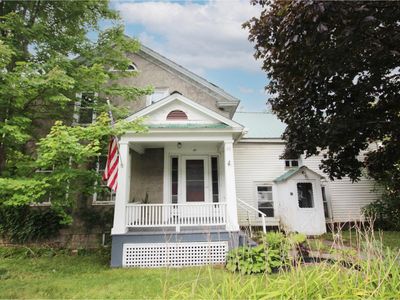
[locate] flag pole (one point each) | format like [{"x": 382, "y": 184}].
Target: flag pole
[{"x": 112, "y": 125}]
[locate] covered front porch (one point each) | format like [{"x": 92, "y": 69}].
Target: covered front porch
[{"x": 177, "y": 180}]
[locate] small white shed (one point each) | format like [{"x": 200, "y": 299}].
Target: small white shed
[{"x": 300, "y": 201}]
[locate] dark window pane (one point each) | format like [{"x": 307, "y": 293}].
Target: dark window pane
[
  {"x": 86, "y": 109},
  {"x": 105, "y": 194},
  {"x": 295, "y": 163},
  {"x": 215, "y": 198},
  {"x": 214, "y": 178},
  {"x": 268, "y": 211},
  {"x": 287, "y": 163},
  {"x": 305, "y": 195},
  {"x": 174, "y": 179},
  {"x": 264, "y": 188},
  {"x": 325, "y": 202},
  {"x": 194, "y": 180}
]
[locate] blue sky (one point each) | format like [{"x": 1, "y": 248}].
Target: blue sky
[{"x": 205, "y": 37}]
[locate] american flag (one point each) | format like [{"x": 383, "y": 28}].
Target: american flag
[{"x": 111, "y": 170}]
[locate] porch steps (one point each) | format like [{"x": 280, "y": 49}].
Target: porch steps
[{"x": 246, "y": 240}]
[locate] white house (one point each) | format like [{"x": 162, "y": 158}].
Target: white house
[{"x": 205, "y": 170}]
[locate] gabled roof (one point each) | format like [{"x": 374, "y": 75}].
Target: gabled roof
[
  {"x": 285, "y": 176},
  {"x": 226, "y": 100},
  {"x": 176, "y": 96},
  {"x": 260, "y": 125}
]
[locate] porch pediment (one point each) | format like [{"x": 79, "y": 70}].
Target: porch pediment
[{"x": 177, "y": 111}]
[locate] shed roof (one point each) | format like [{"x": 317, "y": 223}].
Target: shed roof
[
  {"x": 292, "y": 171},
  {"x": 260, "y": 124}
]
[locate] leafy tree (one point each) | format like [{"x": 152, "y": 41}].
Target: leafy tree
[
  {"x": 46, "y": 58},
  {"x": 334, "y": 68}
]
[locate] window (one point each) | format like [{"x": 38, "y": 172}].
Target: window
[
  {"x": 103, "y": 194},
  {"x": 84, "y": 112},
  {"x": 177, "y": 115},
  {"x": 305, "y": 194},
  {"x": 174, "y": 181},
  {"x": 291, "y": 163},
  {"x": 132, "y": 67},
  {"x": 265, "y": 200},
  {"x": 159, "y": 93},
  {"x": 46, "y": 199},
  {"x": 214, "y": 179},
  {"x": 325, "y": 202}
]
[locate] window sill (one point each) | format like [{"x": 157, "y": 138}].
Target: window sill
[
  {"x": 40, "y": 204},
  {"x": 102, "y": 203}
]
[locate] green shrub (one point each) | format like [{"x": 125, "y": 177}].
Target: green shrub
[
  {"x": 385, "y": 212},
  {"x": 269, "y": 256},
  {"x": 24, "y": 223}
]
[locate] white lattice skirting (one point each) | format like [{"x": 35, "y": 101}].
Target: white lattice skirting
[{"x": 174, "y": 254}]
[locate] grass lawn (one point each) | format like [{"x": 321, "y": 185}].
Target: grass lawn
[
  {"x": 389, "y": 239},
  {"x": 47, "y": 274},
  {"x": 64, "y": 276}
]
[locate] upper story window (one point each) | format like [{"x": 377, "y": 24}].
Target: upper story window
[
  {"x": 159, "y": 93},
  {"x": 84, "y": 112},
  {"x": 46, "y": 199},
  {"x": 292, "y": 163},
  {"x": 177, "y": 115},
  {"x": 132, "y": 67}
]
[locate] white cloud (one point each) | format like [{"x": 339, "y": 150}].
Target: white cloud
[
  {"x": 198, "y": 36},
  {"x": 246, "y": 90}
]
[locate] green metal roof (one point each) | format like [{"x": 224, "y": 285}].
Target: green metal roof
[
  {"x": 293, "y": 171},
  {"x": 260, "y": 124},
  {"x": 287, "y": 174},
  {"x": 189, "y": 126}
]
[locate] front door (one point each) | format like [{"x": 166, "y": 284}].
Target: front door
[{"x": 195, "y": 179}]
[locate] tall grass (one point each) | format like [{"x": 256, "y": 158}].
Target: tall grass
[{"x": 368, "y": 272}]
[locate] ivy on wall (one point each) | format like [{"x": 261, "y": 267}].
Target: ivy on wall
[{"x": 27, "y": 224}]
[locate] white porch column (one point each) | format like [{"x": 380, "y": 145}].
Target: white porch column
[
  {"x": 230, "y": 187},
  {"x": 123, "y": 190}
]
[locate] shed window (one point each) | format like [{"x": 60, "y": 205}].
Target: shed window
[
  {"x": 305, "y": 194},
  {"x": 177, "y": 115},
  {"x": 265, "y": 200}
]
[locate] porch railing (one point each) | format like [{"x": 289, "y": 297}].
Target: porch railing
[
  {"x": 247, "y": 207},
  {"x": 181, "y": 214}
]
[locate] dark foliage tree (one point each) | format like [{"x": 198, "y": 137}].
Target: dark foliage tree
[{"x": 335, "y": 71}]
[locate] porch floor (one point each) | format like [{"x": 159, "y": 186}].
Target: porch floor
[{"x": 172, "y": 229}]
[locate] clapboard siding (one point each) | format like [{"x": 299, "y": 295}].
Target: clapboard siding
[
  {"x": 259, "y": 162},
  {"x": 255, "y": 162}
]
